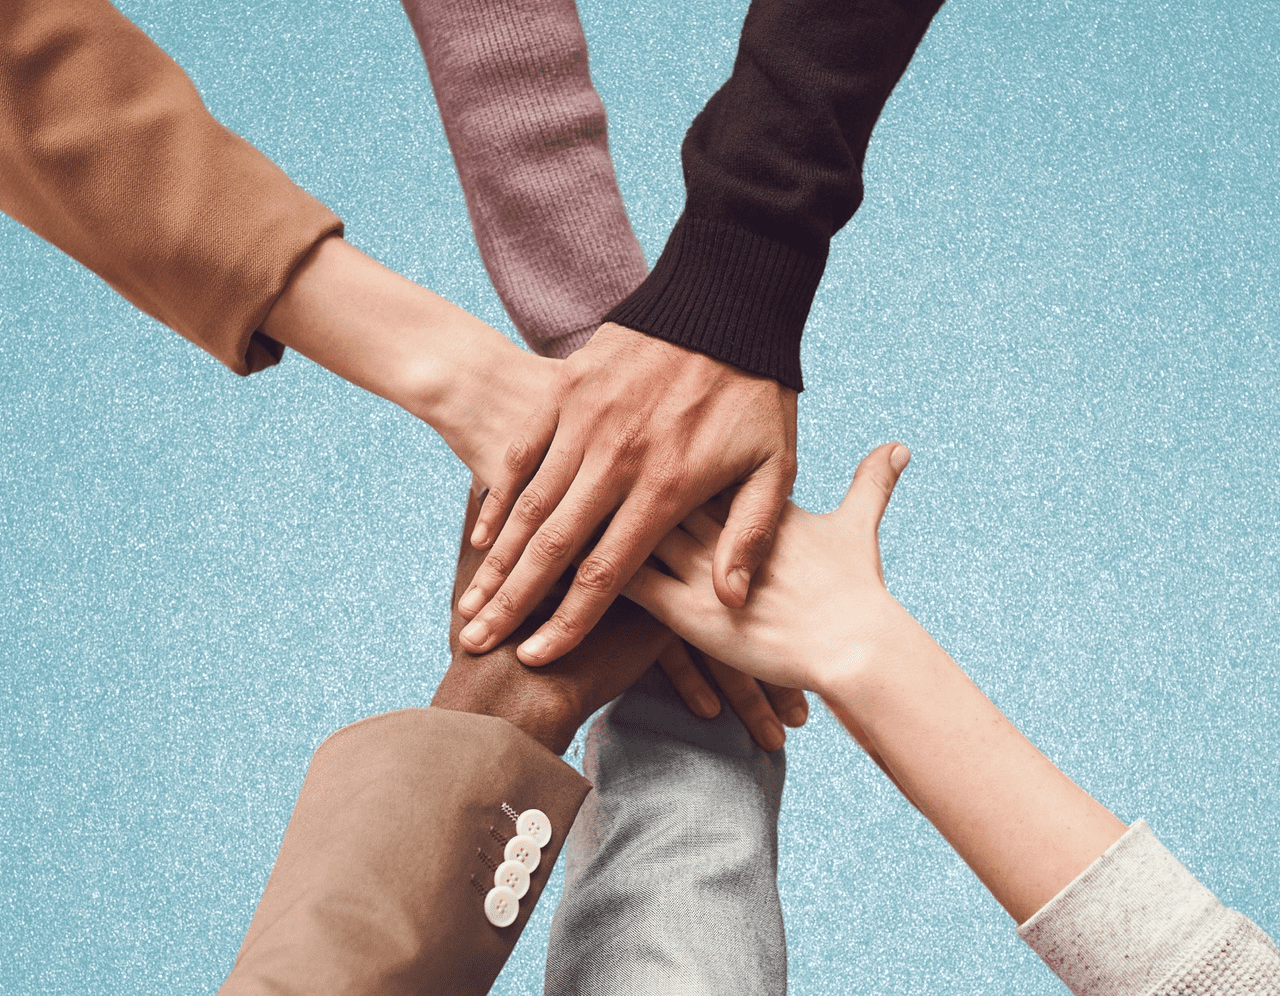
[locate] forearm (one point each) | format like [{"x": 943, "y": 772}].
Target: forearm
[
  {"x": 381, "y": 332},
  {"x": 1021, "y": 824},
  {"x": 773, "y": 169}
]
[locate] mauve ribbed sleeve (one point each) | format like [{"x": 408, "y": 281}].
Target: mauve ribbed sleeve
[
  {"x": 527, "y": 130},
  {"x": 1137, "y": 923}
]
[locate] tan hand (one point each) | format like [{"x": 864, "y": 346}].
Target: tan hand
[{"x": 641, "y": 431}]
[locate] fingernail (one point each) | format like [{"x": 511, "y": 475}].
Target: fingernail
[
  {"x": 534, "y": 647},
  {"x": 774, "y": 736},
  {"x": 708, "y": 705},
  {"x": 476, "y": 633},
  {"x": 796, "y": 716},
  {"x": 739, "y": 581},
  {"x": 480, "y": 536},
  {"x": 472, "y": 602},
  {"x": 899, "y": 458}
]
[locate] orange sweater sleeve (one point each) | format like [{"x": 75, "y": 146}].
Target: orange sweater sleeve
[{"x": 107, "y": 151}]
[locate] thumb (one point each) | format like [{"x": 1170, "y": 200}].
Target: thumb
[
  {"x": 748, "y": 533},
  {"x": 873, "y": 484}
]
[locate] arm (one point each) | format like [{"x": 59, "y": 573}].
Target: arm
[
  {"x": 529, "y": 136},
  {"x": 821, "y": 617},
  {"x": 707, "y": 348},
  {"x": 381, "y": 880},
  {"x": 107, "y": 151}
]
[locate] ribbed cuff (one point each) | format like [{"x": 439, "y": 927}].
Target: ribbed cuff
[{"x": 729, "y": 293}]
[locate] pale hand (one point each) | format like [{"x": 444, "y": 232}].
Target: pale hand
[{"x": 818, "y": 604}]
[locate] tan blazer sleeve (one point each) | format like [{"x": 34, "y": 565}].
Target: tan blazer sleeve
[
  {"x": 380, "y": 882},
  {"x": 107, "y": 151}
]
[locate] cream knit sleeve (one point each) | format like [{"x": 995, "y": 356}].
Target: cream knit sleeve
[{"x": 1137, "y": 923}]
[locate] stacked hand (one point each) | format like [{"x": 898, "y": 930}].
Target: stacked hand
[
  {"x": 551, "y": 702},
  {"x": 818, "y": 606},
  {"x": 638, "y": 432}
]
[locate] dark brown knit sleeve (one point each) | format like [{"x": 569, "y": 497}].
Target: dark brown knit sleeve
[
  {"x": 107, "y": 151},
  {"x": 773, "y": 169}
]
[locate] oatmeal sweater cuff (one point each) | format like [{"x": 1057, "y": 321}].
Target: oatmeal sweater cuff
[{"x": 1136, "y": 922}]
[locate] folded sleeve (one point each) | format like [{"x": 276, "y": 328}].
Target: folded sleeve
[
  {"x": 107, "y": 151},
  {"x": 381, "y": 880},
  {"x": 772, "y": 170},
  {"x": 1137, "y": 923}
]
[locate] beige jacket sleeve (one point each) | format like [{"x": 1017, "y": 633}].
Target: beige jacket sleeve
[
  {"x": 380, "y": 884},
  {"x": 107, "y": 151}
]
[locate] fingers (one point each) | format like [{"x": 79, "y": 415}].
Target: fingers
[
  {"x": 688, "y": 681},
  {"x": 633, "y": 532},
  {"x": 748, "y": 700},
  {"x": 510, "y": 583},
  {"x": 873, "y": 483},
  {"x": 556, "y": 541},
  {"x": 702, "y": 527},
  {"x": 789, "y": 704},
  {"x": 684, "y": 555},
  {"x": 748, "y": 532},
  {"x": 519, "y": 465}
]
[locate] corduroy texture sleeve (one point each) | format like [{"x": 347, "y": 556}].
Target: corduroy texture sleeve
[
  {"x": 773, "y": 169},
  {"x": 107, "y": 151},
  {"x": 380, "y": 884},
  {"x": 1137, "y": 923}
]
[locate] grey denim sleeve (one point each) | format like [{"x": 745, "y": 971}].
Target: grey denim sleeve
[{"x": 1137, "y": 923}]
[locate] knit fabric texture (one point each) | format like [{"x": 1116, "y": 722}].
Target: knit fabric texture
[
  {"x": 1137, "y": 923},
  {"x": 528, "y": 135},
  {"x": 772, "y": 170}
]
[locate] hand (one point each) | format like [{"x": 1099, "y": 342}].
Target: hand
[
  {"x": 819, "y": 603},
  {"x": 400, "y": 341},
  {"x": 550, "y": 703},
  {"x": 763, "y": 708},
  {"x": 644, "y": 431}
]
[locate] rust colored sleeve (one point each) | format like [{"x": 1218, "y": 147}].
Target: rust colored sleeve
[{"x": 107, "y": 151}]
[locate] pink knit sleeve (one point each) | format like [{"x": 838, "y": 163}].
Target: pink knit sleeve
[{"x": 528, "y": 134}]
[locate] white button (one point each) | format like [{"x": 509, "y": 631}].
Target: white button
[
  {"x": 514, "y": 876},
  {"x": 501, "y": 906},
  {"x": 523, "y": 849},
  {"x": 534, "y": 823}
]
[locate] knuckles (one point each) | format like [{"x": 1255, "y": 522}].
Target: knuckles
[
  {"x": 596, "y": 576},
  {"x": 551, "y": 545},
  {"x": 532, "y": 506},
  {"x": 754, "y": 543}
]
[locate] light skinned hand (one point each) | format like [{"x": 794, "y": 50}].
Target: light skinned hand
[
  {"x": 639, "y": 432},
  {"x": 764, "y": 709},
  {"x": 817, "y": 602}
]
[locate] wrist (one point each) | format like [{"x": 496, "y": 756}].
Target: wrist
[
  {"x": 540, "y": 707},
  {"x": 867, "y": 647}
]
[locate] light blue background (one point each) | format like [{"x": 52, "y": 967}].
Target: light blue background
[{"x": 1060, "y": 291}]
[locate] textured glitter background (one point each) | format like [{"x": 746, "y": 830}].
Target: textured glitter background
[{"x": 1061, "y": 292}]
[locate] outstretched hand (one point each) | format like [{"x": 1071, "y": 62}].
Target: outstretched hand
[
  {"x": 642, "y": 431},
  {"x": 816, "y": 601}
]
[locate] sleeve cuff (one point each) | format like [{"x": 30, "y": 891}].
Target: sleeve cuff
[
  {"x": 1127, "y": 921},
  {"x": 729, "y": 293}
]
